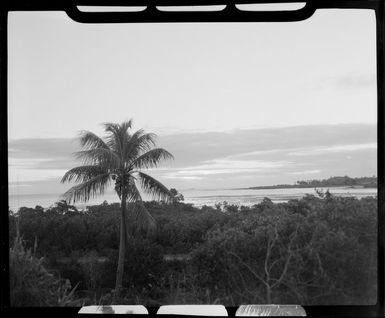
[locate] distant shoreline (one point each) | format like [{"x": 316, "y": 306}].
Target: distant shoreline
[
  {"x": 343, "y": 186},
  {"x": 289, "y": 186},
  {"x": 332, "y": 182}
]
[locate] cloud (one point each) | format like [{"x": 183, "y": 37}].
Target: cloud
[
  {"x": 18, "y": 163},
  {"x": 257, "y": 153},
  {"x": 181, "y": 177},
  {"x": 28, "y": 174},
  {"x": 225, "y": 166},
  {"x": 42, "y": 153},
  {"x": 351, "y": 81},
  {"x": 338, "y": 148},
  {"x": 46, "y": 185},
  {"x": 357, "y": 80},
  {"x": 305, "y": 172},
  {"x": 252, "y": 156}
]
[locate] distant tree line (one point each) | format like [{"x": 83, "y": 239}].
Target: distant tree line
[{"x": 366, "y": 182}]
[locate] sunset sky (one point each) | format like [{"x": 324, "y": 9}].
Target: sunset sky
[{"x": 236, "y": 104}]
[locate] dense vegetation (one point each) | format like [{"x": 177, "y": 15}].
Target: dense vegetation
[
  {"x": 316, "y": 250},
  {"x": 345, "y": 181},
  {"x": 31, "y": 284}
]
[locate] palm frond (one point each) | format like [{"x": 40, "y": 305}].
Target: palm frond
[
  {"x": 138, "y": 143},
  {"x": 151, "y": 158},
  {"x": 99, "y": 156},
  {"x": 154, "y": 188},
  {"x": 111, "y": 127},
  {"x": 115, "y": 139},
  {"x": 82, "y": 173},
  {"x": 126, "y": 125},
  {"x": 88, "y": 140},
  {"x": 118, "y": 135},
  {"x": 88, "y": 189},
  {"x": 139, "y": 217},
  {"x": 133, "y": 194},
  {"x": 145, "y": 141}
]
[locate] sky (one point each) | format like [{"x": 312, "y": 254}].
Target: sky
[{"x": 236, "y": 104}]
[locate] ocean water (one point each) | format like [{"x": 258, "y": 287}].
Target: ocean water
[
  {"x": 199, "y": 197},
  {"x": 249, "y": 197}
]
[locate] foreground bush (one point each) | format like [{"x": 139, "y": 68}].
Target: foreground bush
[
  {"x": 311, "y": 251},
  {"x": 317, "y": 250},
  {"x": 31, "y": 284}
]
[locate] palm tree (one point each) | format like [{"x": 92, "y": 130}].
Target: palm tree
[{"x": 119, "y": 158}]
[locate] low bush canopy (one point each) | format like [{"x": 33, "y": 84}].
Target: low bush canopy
[{"x": 310, "y": 251}]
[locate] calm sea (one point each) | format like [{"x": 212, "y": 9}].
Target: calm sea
[{"x": 200, "y": 197}]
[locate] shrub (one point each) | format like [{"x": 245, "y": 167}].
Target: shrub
[{"x": 31, "y": 284}]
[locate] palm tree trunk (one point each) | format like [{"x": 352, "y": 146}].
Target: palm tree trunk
[
  {"x": 268, "y": 294},
  {"x": 122, "y": 246},
  {"x": 128, "y": 219}
]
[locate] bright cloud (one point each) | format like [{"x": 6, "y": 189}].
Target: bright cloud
[
  {"x": 225, "y": 166},
  {"x": 338, "y": 148},
  {"x": 305, "y": 172},
  {"x": 27, "y": 175}
]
